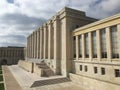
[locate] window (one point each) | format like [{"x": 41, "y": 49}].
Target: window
[
  {"x": 114, "y": 42},
  {"x": 86, "y": 46},
  {"x": 94, "y": 45},
  {"x": 117, "y": 73},
  {"x": 95, "y": 70},
  {"x": 80, "y": 46},
  {"x": 86, "y": 69},
  {"x": 74, "y": 47},
  {"x": 80, "y": 67},
  {"x": 103, "y": 43},
  {"x": 103, "y": 71}
]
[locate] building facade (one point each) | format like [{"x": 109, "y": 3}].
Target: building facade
[
  {"x": 52, "y": 42},
  {"x": 11, "y": 55},
  {"x": 74, "y": 45},
  {"x": 96, "y": 54}
]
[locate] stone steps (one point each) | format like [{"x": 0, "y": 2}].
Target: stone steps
[{"x": 46, "y": 70}]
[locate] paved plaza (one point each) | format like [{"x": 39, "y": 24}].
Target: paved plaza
[
  {"x": 21, "y": 79},
  {"x": 10, "y": 81}
]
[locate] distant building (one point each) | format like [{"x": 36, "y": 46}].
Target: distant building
[
  {"x": 11, "y": 55},
  {"x": 88, "y": 54}
]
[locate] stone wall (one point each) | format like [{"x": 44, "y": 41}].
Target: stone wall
[
  {"x": 38, "y": 70},
  {"x": 93, "y": 84},
  {"x": 28, "y": 66}
]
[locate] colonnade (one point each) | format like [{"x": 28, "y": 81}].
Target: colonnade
[
  {"x": 41, "y": 44},
  {"x": 107, "y": 44}
]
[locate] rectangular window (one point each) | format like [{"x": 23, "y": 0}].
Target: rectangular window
[
  {"x": 86, "y": 69},
  {"x": 117, "y": 73},
  {"x": 103, "y": 71},
  {"x": 80, "y": 46},
  {"x": 95, "y": 70},
  {"x": 80, "y": 67},
  {"x": 74, "y": 47},
  {"x": 86, "y": 46},
  {"x": 114, "y": 42},
  {"x": 94, "y": 45},
  {"x": 103, "y": 43}
]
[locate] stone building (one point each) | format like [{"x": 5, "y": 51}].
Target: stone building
[
  {"x": 96, "y": 54},
  {"x": 52, "y": 42},
  {"x": 87, "y": 53},
  {"x": 11, "y": 55}
]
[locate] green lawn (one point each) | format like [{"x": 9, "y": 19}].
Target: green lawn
[
  {"x": 2, "y": 86},
  {"x": 0, "y": 67},
  {"x": 0, "y": 71},
  {"x": 1, "y": 78}
]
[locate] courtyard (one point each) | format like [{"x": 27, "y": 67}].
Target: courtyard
[{"x": 18, "y": 79}]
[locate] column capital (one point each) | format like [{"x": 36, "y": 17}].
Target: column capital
[{"x": 55, "y": 18}]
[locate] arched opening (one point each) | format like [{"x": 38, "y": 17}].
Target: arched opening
[{"x": 4, "y": 62}]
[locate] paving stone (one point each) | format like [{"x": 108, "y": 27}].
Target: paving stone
[
  {"x": 27, "y": 79},
  {"x": 10, "y": 81}
]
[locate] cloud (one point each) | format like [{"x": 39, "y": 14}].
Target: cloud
[
  {"x": 104, "y": 8},
  {"x": 16, "y": 27},
  {"x": 18, "y": 18},
  {"x": 12, "y": 40}
]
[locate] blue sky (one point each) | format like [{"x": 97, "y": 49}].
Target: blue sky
[
  {"x": 18, "y": 18},
  {"x": 10, "y": 1}
]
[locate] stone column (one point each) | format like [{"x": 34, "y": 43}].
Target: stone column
[
  {"x": 27, "y": 48},
  {"x": 57, "y": 44},
  {"x": 98, "y": 45},
  {"x": 77, "y": 48},
  {"x": 44, "y": 48},
  {"x": 83, "y": 47},
  {"x": 49, "y": 40},
  {"x": 52, "y": 41},
  {"x": 46, "y": 54},
  {"x": 41, "y": 43},
  {"x": 108, "y": 44},
  {"x": 38, "y": 43},
  {"x": 118, "y": 29},
  {"x": 90, "y": 46},
  {"x": 33, "y": 45}
]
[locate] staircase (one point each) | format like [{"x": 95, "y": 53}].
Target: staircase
[{"x": 46, "y": 70}]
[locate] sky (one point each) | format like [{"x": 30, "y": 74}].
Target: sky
[{"x": 19, "y": 18}]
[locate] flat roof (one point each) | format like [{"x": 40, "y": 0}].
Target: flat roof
[{"x": 98, "y": 22}]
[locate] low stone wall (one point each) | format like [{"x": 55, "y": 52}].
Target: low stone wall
[
  {"x": 37, "y": 70},
  {"x": 93, "y": 84},
  {"x": 28, "y": 66}
]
